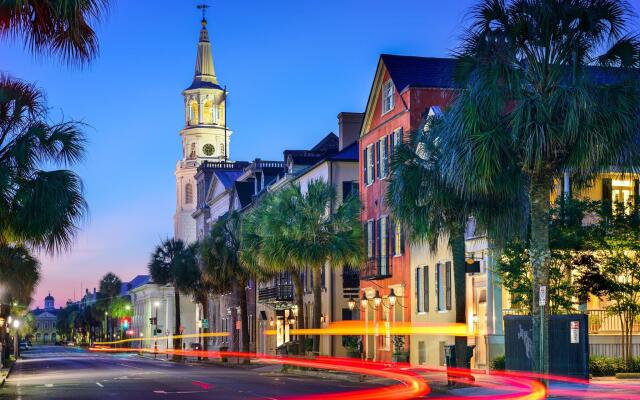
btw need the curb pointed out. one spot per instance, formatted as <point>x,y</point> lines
<point>628,375</point>
<point>5,377</point>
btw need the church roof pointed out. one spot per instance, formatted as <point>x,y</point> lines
<point>49,297</point>
<point>244,191</point>
<point>205,74</point>
<point>227,178</point>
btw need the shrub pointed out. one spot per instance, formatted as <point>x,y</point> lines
<point>498,363</point>
<point>609,366</point>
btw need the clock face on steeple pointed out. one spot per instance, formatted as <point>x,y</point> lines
<point>208,149</point>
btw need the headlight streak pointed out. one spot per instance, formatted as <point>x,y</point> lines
<point>164,337</point>
<point>501,384</point>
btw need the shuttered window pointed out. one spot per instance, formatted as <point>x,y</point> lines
<point>448,285</point>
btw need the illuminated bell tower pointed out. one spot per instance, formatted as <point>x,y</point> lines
<point>205,135</point>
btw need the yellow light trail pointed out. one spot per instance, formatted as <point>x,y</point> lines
<point>159,337</point>
<point>355,328</point>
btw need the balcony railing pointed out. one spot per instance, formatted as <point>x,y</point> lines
<point>377,268</point>
<point>277,293</point>
<point>600,321</point>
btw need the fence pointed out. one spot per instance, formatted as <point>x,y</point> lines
<point>600,321</point>
<point>610,349</point>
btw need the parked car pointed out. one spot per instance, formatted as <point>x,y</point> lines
<point>71,343</point>
<point>196,346</point>
<point>24,346</point>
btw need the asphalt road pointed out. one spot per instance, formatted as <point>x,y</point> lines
<point>55,372</point>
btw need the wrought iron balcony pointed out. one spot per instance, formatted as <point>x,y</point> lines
<point>377,268</point>
<point>276,293</point>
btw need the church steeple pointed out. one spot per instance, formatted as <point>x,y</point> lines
<point>205,73</point>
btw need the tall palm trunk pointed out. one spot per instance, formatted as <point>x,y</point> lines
<point>297,284</point>
<point>456,243</point>
<point>244,322</point>
<point>317,306</point>
<point>539,197</point>
<point>177,342</point>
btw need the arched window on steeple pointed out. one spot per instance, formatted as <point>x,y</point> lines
<point>208,117</point>
<point>188,193</point>
<point>193,113</point>
<point>192,152</point>
<point>221,150</point>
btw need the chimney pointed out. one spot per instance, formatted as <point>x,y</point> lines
<point>349,124</point>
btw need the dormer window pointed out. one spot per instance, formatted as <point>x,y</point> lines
<point>387,96</point>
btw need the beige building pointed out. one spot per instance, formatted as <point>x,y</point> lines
<point>334,160</point>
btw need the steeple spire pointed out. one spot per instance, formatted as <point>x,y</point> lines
<point>205,71</point>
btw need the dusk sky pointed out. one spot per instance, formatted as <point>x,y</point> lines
<point>290,68</point>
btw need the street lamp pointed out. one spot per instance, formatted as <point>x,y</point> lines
<point>351,303</point>
<point>364,301</point>
<point>156,304</point>
<point>16,339</point>
<point>392,298</point>
<point>271,322</point>
<point>377,300</point>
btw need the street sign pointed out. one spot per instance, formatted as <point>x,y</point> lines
<point>542,298</point>
<point>574,332</point>
<point>205,323</point>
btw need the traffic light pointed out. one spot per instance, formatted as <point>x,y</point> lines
<point>153,321</point>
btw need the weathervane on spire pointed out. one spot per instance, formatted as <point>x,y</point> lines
<point>203,7</point>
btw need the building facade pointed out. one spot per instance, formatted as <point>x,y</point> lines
<point>46,319</point>
<point>403,91</point>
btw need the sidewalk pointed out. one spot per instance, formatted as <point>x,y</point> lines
<point>5,371</point>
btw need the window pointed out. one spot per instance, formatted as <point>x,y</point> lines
<point>349,188</point>
<point>370,239</point>
<point>370,165</point>
<point>395,139</point>
<point>384,157</point>
<point>188,193</point>
<point>419,291</point>
<point>192,151</point>
<point>193,113</point>
<point>387,97</point>
<point>443,286</point>
<point>365,166</point>
<point>426,288</point>
<point>207,112</point>
<point>398,239</point>
<point>383,234</point>
<point>222,150</point>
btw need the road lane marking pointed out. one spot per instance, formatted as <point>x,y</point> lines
<point>48,385</point>
<point>130,366</point>
<point>99,384</point>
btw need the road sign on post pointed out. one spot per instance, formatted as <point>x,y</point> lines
<point>574,329</point>
<point>542,298</point>
<point>205,323</point>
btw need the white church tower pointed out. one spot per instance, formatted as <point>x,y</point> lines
<point>205,135</point>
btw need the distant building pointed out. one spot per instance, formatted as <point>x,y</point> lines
<point>46,320</point>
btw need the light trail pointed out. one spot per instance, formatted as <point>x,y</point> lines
<point>171,337</point>
<point>359,328</point>
<point>411,384</point>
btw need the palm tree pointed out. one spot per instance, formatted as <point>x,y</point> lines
<point>433,212</point>
<point>220,253</point>
<point>62,28</point>
<point>169,261</point>
<point>318,234</point>
<point>533,107</point>
<point>39,208</point>
<point>265,248</point>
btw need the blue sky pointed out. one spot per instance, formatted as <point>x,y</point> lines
<point>290,67</point>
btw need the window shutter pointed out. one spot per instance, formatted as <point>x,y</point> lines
<point>399,138</point>
<point>365,166</point>
<point>418,290</point>
<point>606,196</point>
<point>448,284</point>
<point>392,142</point>
<point>386,160</point>
<point>426,288</point>
<point>437,287</point>
<point>378,159</point>
<point>636,191</point>
<point>401,239</point>
<point>393,236</point>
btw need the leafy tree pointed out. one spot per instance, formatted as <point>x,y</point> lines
<point>110,286</point>
<point>220,253</point>
<point>167,266</point>
<point>61,28</point>
<point>533,107</point>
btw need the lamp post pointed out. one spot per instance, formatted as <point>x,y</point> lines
<point>364,302</point>
<point>105,334</point>
<point>156,304</point>
<point>167,349</point>
<point>16,338</point>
